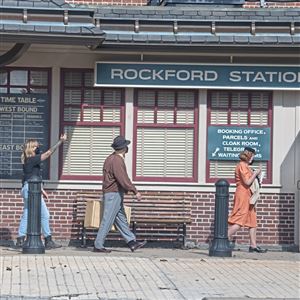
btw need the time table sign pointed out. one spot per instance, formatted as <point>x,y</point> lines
<point>22,117</point>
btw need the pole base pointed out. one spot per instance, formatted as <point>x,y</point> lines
<point>33,245</point>
<point>220,248</point>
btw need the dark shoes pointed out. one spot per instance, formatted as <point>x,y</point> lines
<point>257,250</point>
<point>134,245</point>
<point>50,244</point>
<point>102,250</point>
<point>20,241</point>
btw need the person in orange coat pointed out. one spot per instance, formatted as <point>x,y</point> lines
<point>243,213</point>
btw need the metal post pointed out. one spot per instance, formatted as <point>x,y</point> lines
<point>33,243</point>
<point>220,245</point>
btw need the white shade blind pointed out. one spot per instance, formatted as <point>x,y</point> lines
<point>165,152</point>
<point>86,149</point>
<point>72,96</point>
<point>225,169</point>
<point>38,77</point>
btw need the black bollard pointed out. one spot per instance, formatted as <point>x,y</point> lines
<point>33,243</point>
<point>220,245</point>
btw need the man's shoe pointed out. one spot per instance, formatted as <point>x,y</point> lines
<point>137,245</point>
<point>102,250</point>
<point>257,249</point>
<point>50,244</point>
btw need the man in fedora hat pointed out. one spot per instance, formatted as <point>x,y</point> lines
<point>115,183</point>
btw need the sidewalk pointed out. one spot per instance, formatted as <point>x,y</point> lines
<point>154,274</point>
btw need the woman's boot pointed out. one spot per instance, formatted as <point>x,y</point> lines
<point>49,244</point>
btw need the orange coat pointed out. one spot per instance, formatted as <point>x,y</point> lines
<point>242,213</point>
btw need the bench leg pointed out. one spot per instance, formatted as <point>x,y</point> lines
<point>83,237</point>
<point>134,227</point>
<point>184,236</point>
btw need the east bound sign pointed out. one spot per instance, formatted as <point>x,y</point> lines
<point>196,76</point>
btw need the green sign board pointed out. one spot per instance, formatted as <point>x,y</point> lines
<point>226,142</point>
<point>196,75</point>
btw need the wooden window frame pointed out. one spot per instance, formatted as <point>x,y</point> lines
<point>81,123</point>
<point>268,179</point>
<point>195,127</point>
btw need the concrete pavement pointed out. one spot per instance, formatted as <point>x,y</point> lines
<point>75,273</point>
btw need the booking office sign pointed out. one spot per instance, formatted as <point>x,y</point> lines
<point>226,142</point>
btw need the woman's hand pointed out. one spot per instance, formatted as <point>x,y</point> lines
<point>138,196</point>
<point>257,171</point>
<point>48,153</point>
<point>63,137</point>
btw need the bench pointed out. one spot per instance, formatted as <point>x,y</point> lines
<point>156,217</point>
<point>170,211</point>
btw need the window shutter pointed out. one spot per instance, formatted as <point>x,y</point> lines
<point>219,108</point>
<point>86,149</point>
<point>145,116</point>
<point>92,97</point>
<point>112,104</point>
<point>165,107</point>
<point>71,114</point>
<point>91,114</point>
<point>222,169</point>
<point>185,107</point>
<point>239,107</point>
<point>225,169</point>
<point>146,102</point>
<point>73,79</point>
<point>164,152</point>
<point>38,78</point>
<point>72,96</point>
<point>259,118</point>
<point>89,79</point>
<point>259,112</point>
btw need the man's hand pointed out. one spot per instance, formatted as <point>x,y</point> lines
<point>138,196</point>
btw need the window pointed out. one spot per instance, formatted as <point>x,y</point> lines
<point>91,117</point>
<point>238,108</point>
<point>24,114</point>
<point>24,81</point>
<point>166,135</point>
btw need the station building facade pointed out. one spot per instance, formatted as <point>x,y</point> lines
<point>189,86</point>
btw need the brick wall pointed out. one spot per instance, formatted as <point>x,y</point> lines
<point>109,2</point>
<point>248,4</point>
<point>271,4</point>
<point>275,216</point>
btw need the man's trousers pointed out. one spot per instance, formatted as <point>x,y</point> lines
<point>113,213</point>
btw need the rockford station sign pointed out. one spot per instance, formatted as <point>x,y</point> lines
<point>196,76</point>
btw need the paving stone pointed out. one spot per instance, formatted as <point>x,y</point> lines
<point>148,274</point>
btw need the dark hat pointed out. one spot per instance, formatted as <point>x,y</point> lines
<point>249,149</point>
<point>120,143</point>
